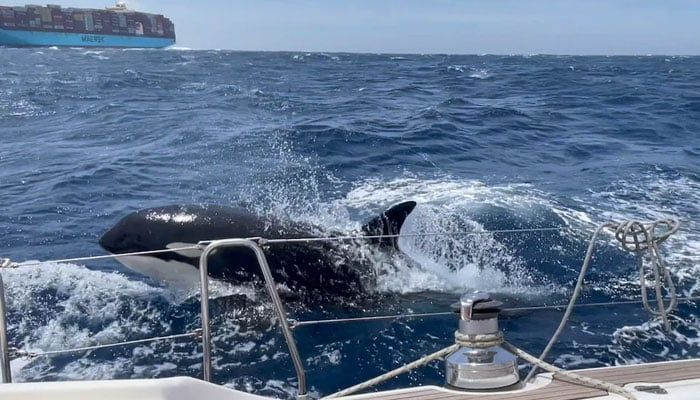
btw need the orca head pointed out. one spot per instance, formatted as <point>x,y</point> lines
<point>157,229</point>
<point>127,236</point>
<point>389,223</point>
<point>152,229</point>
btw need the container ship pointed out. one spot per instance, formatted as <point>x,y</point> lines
<point>51,25</point>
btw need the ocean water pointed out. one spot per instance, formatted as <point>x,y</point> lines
<point>481,142</point>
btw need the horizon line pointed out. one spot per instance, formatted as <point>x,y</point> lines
<point>391,53</point>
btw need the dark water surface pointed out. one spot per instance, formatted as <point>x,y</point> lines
<point>488,142</point>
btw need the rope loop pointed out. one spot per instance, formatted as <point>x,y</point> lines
<point>640,238</point>
<point>635,236</point>
<point>479,341</point>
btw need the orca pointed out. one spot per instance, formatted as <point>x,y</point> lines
<point>331,267</point>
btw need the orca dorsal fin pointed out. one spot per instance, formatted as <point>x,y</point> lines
<point>389,223</point>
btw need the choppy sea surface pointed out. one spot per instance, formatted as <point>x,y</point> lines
<point>481,142</point>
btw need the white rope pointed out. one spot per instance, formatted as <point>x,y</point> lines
<point>572,301</point>
<point>569,376</point>
<point>635,237</point>
<point>639,238</point>
<point>478,341</point>
<point>394,373</point>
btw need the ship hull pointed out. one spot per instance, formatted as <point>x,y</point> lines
<point>24,38</point>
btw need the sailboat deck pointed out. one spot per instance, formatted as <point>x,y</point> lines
<point>645,374</point>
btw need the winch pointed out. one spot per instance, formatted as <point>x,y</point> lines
<point>480,362</point>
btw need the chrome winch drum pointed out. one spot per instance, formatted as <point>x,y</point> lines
<point>480,368</point>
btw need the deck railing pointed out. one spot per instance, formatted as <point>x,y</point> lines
<point>272,291</point>
<point>5,371</point>
<point>208,248</point>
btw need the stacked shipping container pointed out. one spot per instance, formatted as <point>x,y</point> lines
<point>52,18</point>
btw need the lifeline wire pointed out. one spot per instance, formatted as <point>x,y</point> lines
<point>297,324</point>
<point>104,257</point>
<point>400,235</point>
<point>31,354</point>
<point>263,241</point>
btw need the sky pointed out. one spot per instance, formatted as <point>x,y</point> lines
<point>432,26</point>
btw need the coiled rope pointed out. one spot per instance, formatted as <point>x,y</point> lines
<point>638,238</point>
<point>479,341</point>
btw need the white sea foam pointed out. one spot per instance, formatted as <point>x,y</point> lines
<point>20,108</point>
<point>452,193</point>
<point>480,73</point>
<point>649,340</point>
<point>68,306</point>
<point>452,263</point>
<point>477,73</point>
<point>96,54</point>
<point>647,197</point>
<point>195,86</point>
<point>85,308</point>
<point>456,263</point>
<point>438,198</point>
<point>325,355</point>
